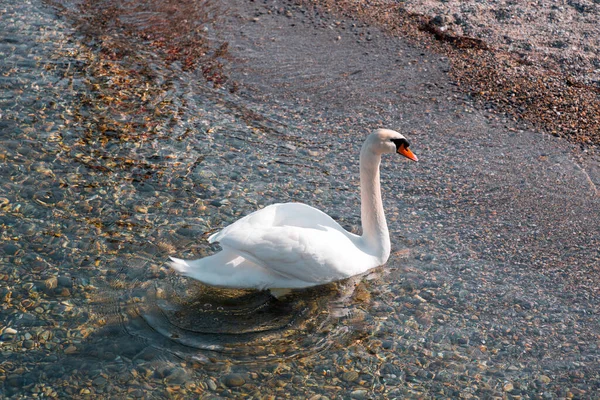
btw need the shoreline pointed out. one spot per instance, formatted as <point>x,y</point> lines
<point>524,86</point>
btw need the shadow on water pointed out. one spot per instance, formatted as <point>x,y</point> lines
<point>194,322</point>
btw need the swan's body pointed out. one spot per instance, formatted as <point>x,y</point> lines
<point>293,245</point>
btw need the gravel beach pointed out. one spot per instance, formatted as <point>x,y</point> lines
<point>124,141</point>
<point>535,61</point>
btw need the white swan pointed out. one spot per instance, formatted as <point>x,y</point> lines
<point>292,245</point>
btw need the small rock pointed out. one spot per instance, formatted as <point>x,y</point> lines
<point>387,344</point>
<point>359,394</point>
<point>350,376</point>
<point>45,336</point>
<point>137,393</point>
<point>211,384</point>
<point>64,282</point>
<point>545,379</point>
<point>219,203</point>
<point>176,375</point>
<point>361,294</point>
<point>234,380</point>
<point>15,380</point>
<point>10,249</point>
<point>508,387</point>
<point>71,349</point>
<point>51,283</point>
<point>28,344</point>
<point>99,381</point>
<point>10,331</point>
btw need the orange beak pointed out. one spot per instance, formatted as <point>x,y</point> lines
<point>407,153</point>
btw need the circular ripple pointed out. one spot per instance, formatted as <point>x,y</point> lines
<point>223,325</point>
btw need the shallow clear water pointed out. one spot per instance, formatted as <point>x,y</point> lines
<point>110,163</point>
<point>126,139</point>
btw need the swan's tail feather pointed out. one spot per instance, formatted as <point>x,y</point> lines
<point>224,269</point>
<point>228,269</point>
<point>179,265</point>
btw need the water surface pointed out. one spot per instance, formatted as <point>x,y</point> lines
<point>126,139</point>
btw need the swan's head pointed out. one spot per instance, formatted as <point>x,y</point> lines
<point>388,141</point>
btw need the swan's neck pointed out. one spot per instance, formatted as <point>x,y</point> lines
<point>375,231</point>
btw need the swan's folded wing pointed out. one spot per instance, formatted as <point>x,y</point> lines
<point>320,254</point>
<point>279,215</point>
<point>263,217</point>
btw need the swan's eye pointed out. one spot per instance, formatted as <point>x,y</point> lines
<point>400,143</point>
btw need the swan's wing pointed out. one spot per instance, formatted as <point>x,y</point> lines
<point>295,241</point>
<point>282,214</point>
<point>311,255</point>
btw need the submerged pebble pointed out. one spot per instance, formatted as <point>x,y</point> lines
<point>234,380</point>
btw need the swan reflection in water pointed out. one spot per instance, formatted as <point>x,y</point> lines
<point>207,323</point>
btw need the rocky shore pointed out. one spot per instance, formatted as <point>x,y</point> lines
<point>537,62</point>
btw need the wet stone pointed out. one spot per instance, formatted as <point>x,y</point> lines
<point>234,380</point>
<point>359,394</point>
<point>48,197</point>
<point>15,380</point>
<point>51,283</point>
<point>137,393</point>
<point>211,384</point>
<point>99,381</point>
<point>219,203</point>
<point>188,232</point>
<point>350,376</point>
<point>176,375</point>
<point>10,249</point>
<point>544,379</point>
<point>9,332</point>
<point>387,344</point>
<point>391,371</point>
<point>26,319</point>
<point>145,187</point>
<point>64,282</point>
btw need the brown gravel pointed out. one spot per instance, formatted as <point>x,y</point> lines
<point>550,90</point>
